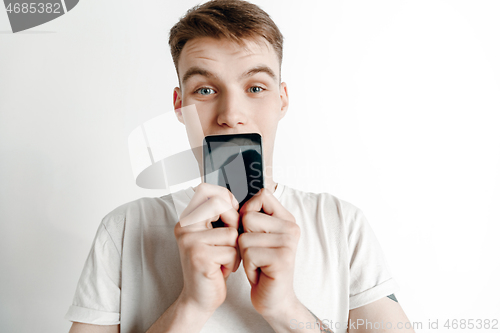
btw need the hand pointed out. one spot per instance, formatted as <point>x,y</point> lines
<point>267,247</point>
<point>207,255</point>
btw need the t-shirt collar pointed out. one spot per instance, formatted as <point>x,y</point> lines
<point>277,193</point>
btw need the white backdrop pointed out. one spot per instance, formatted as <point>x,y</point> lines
<point>395,107</point>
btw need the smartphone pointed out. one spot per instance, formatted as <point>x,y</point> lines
<point>234,161</point>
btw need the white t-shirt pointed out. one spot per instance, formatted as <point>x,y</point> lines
<point>133,272</point>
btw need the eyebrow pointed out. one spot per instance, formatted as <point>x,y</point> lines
<point>260,69</point>
<point>195,70</point>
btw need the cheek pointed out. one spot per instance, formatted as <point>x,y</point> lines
<point>269,106</point>
<point>203,114</point>
<point>205,122</point>
<point>268,115</point>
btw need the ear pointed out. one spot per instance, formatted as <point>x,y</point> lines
<point>178,104</point>
<point>284,99</point>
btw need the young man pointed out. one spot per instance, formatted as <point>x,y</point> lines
<point>302,256</point>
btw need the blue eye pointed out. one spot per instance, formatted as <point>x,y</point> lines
<point>204,91</point>
<point>253,90</point>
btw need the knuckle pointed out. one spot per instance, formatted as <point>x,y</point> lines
<point>232,233</point>
<point>202,188</point>
<point>242,240</point>
<point>246,216</point>
<point>295,230</point>
<point>217,200</point>
<point>234,252</point>
<point>265,191</point>
<point>245,253</point>
<point>229,193</point>
<point>244,221</point>
<point>183,240</point>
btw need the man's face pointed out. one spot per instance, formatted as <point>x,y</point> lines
<point>235,89</point>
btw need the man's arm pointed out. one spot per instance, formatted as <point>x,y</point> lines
<point>208,256</point>
<point>268,247</point>
<point>88,328</point>
<point>179,317</point>
<point>376,316</point>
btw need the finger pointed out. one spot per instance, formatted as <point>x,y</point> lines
<point>251,271</point>
<point>225,236</point>
<point>260,222</point>
<point>209,211</point>
<point>268,240</point>
<point>238,259</point>
<point>264,200</point>
<point>225,256</point>
<point>268,261</point>
<point>205,191</point>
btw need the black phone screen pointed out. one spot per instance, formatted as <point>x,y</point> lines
<point>235,162</point>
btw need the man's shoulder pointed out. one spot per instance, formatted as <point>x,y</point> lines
<point>133,207</point>
<point>320,197</point>
<point>324,200</point>
<point>144,209</point>
<point>149,203</point>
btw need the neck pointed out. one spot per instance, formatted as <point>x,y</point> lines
<point>271,185</point>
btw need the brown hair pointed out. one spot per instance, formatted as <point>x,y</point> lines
<point>235,20</point>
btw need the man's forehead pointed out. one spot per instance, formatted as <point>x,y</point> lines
<point>206,51</point>
<point>245,47</point>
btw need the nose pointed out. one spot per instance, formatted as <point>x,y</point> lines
<point>231,110</point>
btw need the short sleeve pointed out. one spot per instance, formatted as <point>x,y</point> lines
<point>370,278</point>
<point>97,296</point>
